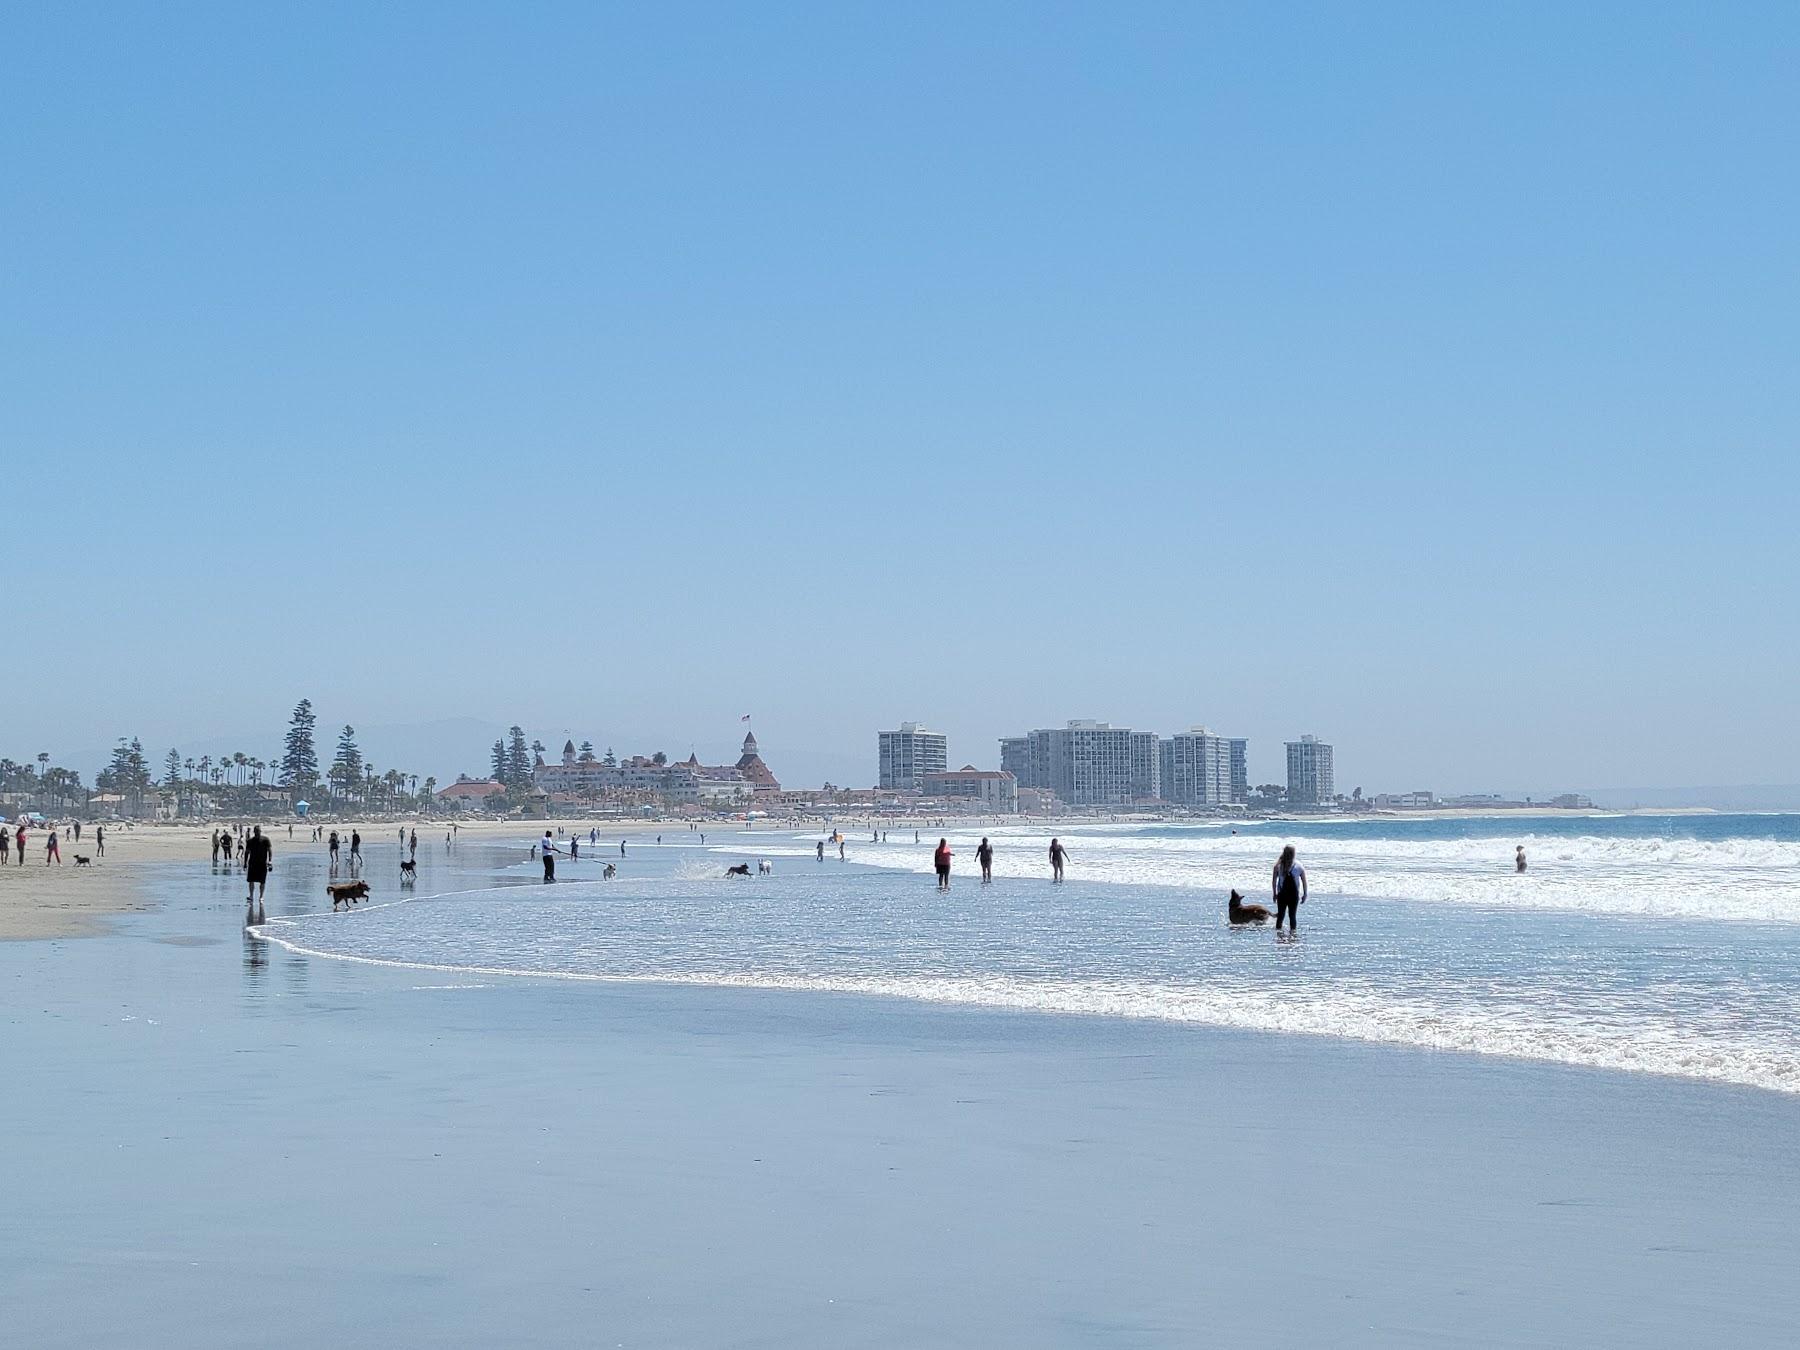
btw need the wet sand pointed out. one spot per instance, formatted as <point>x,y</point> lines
<point>214,1142</point>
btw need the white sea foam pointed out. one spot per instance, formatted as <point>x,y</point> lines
<point>1737,879</point>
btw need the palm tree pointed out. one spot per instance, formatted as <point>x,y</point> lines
<point>240,762</point>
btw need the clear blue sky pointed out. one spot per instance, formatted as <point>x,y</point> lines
<point>1422,376</point>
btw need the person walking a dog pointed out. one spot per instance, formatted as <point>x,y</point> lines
<point>1289,886</point>
<point>550,852</point>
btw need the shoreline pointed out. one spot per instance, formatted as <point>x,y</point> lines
<point>534,1163</point>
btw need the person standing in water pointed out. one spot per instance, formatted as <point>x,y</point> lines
<point>1057,854</point>
<point>821,850</point>
<point>1289,886</point>
<point>941,860</point>
<point>334,852</point>
<point>548,845</point>
<point>985,856</point>
<point>257,854</point>
<point>1519,859</point>
<point>355,852</point>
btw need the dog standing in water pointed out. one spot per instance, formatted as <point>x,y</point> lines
<point>1238,912</point>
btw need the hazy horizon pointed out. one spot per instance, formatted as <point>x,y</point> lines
<point>1416,378</point>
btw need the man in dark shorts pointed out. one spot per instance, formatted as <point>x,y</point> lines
<point>258,851</point>
<point>985,856</point>
<point>550,852</point>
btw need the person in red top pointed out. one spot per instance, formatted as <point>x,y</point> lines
<point>943,864</point>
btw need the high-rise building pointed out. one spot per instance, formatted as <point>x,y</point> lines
<point>1084,763</point>
<point>910,753</point>
<point>1197,768</point>
<point>1240,769</point>
<point>1146,766</point>
<point>1015,758</point>
<point>1309,774</point>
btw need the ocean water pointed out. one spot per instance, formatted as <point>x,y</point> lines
<point>1665,945</point>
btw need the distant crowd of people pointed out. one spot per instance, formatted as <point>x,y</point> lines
<point>15,841</point>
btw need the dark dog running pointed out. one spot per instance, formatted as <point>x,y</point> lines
<point>82,860</point>
<point>741,870</point>
<point>409,870</point>
<point>1238,912</point>
<point>346,893</point>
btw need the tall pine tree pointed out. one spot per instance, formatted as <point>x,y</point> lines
<point>299,757</point>
<point>347,764</point>
<point>499,762</point>
<point>518,760</point>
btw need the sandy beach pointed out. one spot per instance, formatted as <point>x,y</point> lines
<point>215,1142</point>
<point>40,901</point>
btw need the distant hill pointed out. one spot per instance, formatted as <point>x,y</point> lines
<point>1765,797</point>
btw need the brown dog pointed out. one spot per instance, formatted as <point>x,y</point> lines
<point>1238,912</point>
<point>346,893</point>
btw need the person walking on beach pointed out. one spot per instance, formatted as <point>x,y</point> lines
<point>412,848</point>
<point>19,843</point>
<point>621,848</point>
<point>355,851</point>
<point>550,850</point>
<point>1519,859</point>
<point>841,857</point>
<point>1057,854</point>
<point>941,860</point>
<point>5,845</point>
<point>574,846</point>
<point>257,853</point>
<point>50,849</point>
<point>99,841</point>
<point>215,861</point>
<point>985,856</point>
<point>333,846</point>
<point>821,850</point>
<point>1289,886</point>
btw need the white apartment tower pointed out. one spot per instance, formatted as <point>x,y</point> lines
<point>1197,768</point>
<point>1309,775</point>
<point>910,753</point>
